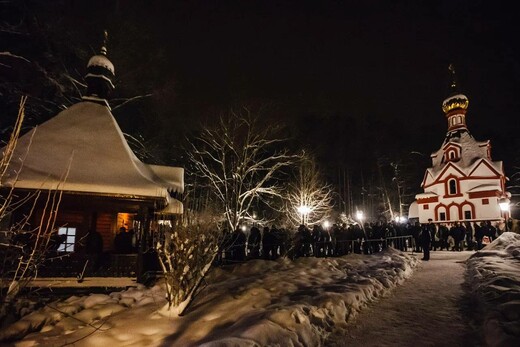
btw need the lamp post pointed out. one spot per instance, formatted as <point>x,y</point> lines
<point>360,216</point>
<point>304,211</point>
<point>504,207</point>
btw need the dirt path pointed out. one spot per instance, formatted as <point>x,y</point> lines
<point>429,309</point>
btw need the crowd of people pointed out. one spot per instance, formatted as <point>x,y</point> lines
<point>342,239</point>
<point>455,236</point>
<point>338,240</point>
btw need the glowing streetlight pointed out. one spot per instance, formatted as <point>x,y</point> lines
<point>400,219</point>
<point>504,207</point>
<point>326,224</point>
<point>244,228</point>
<point>360,216</point>
<point>304,211</point>
<point>504,204</point>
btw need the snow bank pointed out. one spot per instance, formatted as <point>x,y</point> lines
<point>258,303</point>
<point>494,278</point>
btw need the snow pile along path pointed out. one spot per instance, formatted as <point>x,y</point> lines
<point>430,309</point>
<point>494,276</point>
<point>258,303</point>
<point>292,303</point>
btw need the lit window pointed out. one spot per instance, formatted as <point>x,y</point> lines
<point>70,239</point>
<point>452,187</point>
<point>485,201</point>
<point>425,207</point>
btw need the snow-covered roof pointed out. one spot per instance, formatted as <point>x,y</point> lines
<point>102,61</point>
<point>485,188</point>
<point>472,150</point>
<point>426,195</point>
<point>472,153</point>
<point>82,149</point>
<point>486,168</point>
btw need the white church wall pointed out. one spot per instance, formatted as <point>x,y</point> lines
<point>489,211</point>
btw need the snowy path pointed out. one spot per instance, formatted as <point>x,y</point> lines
<point>429,309</point>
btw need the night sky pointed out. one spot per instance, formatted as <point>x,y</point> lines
<point>352,79</point>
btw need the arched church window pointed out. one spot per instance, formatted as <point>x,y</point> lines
<point>451,155</point>
<point>452,186</point>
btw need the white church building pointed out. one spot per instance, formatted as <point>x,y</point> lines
<point>463,183</point>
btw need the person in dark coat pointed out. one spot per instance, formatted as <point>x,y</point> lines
<point>317,236</point>
<point>55,241</point>
<point>443,235</point>
<point>253,242</point>
<point>416,232</point>
<point>425,239</point>
<point>458,233</point>
<point>123,242</point>
<point>94,248</point>
<point>267,243</point>
<point>306,240</point>
<point>469,235</point>
<point>94,244</point>
<point>490,231</point>
<point>479,235</point>
<point>238,246</point>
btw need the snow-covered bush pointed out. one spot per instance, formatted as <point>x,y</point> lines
<point>186,254</point>
<point>493,275</point>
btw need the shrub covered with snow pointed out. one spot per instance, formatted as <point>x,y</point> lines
<point>494,278</point>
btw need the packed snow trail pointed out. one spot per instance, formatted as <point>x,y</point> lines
<point>429,309</point>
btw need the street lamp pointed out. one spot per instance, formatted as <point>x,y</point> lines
<point>326,224</point>
<point>360,216</point>
<point>304,211</point>
<point>504,207</point>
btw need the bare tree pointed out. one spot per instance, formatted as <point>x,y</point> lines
<point>309,191</point>
<point>239,160</point>
<point>23,246</point>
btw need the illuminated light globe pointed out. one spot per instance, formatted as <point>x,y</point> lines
<point>359,215</point>
<point>303,209</point>
<point>326,224</point>
<point>504,204</point>
<point>402,219</point>
<point>244,228</point>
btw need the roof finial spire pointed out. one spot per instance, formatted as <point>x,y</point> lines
<point>105,41</point>
<point>453,78</point>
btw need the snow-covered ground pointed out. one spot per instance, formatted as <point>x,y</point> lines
<point>300,303</point>
<point>258,303</point>
<point>494,277</point>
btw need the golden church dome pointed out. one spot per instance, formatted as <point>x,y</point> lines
<point>458,101</point>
